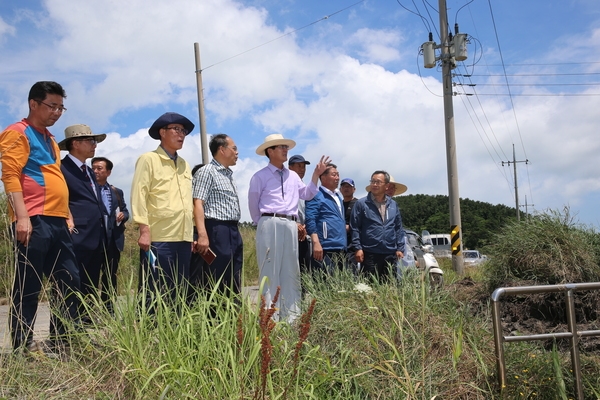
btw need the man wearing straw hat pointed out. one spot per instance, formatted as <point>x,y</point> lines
<point>376,224</point>
<point>86,206</point>
<point>273,202</point>
<point>161,204</point>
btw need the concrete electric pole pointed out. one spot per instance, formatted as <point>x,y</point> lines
<point>448,63</point>
<point>514,163</point>
<point>203,141</point>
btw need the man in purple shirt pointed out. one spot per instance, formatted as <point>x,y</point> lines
<point>273,201</point>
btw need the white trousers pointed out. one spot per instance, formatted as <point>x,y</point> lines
<point>277,254</point>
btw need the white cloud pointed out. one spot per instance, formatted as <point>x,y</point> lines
<point>118,59</point>
<point>377,46</point>
<point>5,30</point>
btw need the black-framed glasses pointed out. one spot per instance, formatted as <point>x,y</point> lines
<point>53,107</point>
<point>177,129</point>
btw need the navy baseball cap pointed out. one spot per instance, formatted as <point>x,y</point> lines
<point>297,159</point>
<point>348,181</point>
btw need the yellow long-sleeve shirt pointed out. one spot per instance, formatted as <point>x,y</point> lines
<point>161,197</point>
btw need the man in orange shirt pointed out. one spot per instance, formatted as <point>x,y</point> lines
<point>38,201</point>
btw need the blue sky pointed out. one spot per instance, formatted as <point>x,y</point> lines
<point>351,86</point>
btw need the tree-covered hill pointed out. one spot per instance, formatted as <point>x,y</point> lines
<point>480,220</point>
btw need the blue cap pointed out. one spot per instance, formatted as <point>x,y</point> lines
<point>297,159</point>
<point>348,181</point>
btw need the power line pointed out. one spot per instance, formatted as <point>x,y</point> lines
<point>538,94</point>
<point>284,35</point>
<point>543,74</point>
<point>539,84</point>
<point>506,79</point>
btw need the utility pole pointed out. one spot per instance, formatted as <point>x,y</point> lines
<point>514,163</point>
<point>448,63</point>
<point>203,141</point>
<point>526,208</point>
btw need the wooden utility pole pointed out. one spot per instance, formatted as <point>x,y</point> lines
<point>203,141</point>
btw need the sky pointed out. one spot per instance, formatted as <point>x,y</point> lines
<point>343,78</point>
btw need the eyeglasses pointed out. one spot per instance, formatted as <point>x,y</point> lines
<point>91,140</point>
<point>53,107</point>
<point>234,148</point>
<point>377,183</point>
<point>282,147</point>
<point>177,130</point>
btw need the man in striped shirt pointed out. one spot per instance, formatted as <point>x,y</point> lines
<point>216,215</point>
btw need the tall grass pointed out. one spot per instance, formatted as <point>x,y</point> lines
<point>551,248</point>
<point>397,341</point>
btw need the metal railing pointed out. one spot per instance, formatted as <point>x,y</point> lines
<point>573,334</point>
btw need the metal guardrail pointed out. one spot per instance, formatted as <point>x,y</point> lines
<point>572,334</point>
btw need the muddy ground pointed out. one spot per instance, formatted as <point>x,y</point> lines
<point>535,314</point>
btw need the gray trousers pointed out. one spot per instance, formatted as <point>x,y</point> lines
<point>277,254</point>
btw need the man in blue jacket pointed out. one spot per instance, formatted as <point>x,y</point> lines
<point>377,233</point>
<point>325,223</point>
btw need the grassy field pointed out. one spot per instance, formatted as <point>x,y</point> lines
<point>395,341</point>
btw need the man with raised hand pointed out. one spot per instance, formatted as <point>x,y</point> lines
<point>273,202</point>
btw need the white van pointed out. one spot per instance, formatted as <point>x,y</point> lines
<point>441,244</point>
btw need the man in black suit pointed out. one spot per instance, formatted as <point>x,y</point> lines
<point>85,205</point>
<point>114,202</point>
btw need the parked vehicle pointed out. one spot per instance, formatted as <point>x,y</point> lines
<point>472,258</point>
<point>440,243</point>
<point>419,255</point>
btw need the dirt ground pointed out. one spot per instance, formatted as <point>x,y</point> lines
<point>535,314</point>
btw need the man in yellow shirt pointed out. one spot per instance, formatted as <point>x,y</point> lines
<point>161,203</point>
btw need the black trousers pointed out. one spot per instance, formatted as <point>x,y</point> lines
<point>108,288</point>
<point>50,253</point>
<point>378,265</point>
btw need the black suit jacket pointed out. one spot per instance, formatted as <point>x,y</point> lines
<point>116,234</point>
<point>86,207</point>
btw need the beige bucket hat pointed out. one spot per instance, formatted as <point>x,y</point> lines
<point>79,131</point>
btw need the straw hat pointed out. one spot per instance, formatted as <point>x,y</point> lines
<point>79,131</point>
<point>400,188</point>
<point>274,140</point>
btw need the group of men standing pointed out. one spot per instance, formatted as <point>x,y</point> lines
<point>68,222</point>
<point>61,226</point>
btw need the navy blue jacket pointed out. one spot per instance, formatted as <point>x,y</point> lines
<point>324,218</point>
<point>373,235</point>
<point>116,234</point>
<point>86,206</point>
